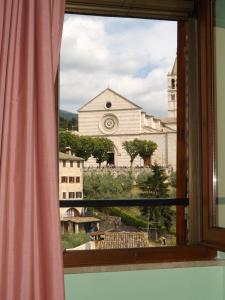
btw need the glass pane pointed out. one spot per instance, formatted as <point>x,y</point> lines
<point>117,129</point>
<point>117,227</point>
<point>219,87</point>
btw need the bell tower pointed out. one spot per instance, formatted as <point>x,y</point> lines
<point>172,91</point>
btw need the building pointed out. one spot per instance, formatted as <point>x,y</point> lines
<point>70,177</point>
<point>115,240</point>
<point>111,115</point>
<point>71,188</point>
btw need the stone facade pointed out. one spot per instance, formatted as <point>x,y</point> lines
<point>113,116</point>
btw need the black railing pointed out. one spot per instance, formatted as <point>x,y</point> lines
<point>125,202</point>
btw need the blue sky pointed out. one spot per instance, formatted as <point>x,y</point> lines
<point>131,56</point>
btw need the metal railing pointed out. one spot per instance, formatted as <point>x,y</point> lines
<point>125,202</point>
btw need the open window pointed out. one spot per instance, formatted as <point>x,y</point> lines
<point>212,34</point>
<point>199,138</point>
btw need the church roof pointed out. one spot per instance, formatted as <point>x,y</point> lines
<point>174,69</point>
<point>168,120</point>
<point>115,93</point>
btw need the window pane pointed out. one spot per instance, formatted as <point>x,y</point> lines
<point>219,63</point>
<point>118,117</point>
<point>114,227</point>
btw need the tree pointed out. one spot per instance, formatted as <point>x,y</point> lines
<point>68,124</point>
<point>146,150</point>
<point>71,240</point>
<point>101,147</point>
<point>155,185</point>
<point>83,146</point>
<point>132,148</point>
<point>107,185</point>
<point>66,139</point>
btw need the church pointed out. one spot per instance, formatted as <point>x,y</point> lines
<point>111,115</point>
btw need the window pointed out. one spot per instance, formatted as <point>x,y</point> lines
<point>71,195</point>
<point>78,164</point>
<point>64,195</point>
<point>173,84</point>
<point>64,163</point>
<point>78,195</point>
<point>172,97</point>
<point>209,232</point>
<point>71,179</point>
<point>108,104</point>
<point>77,179</point>
<point>64,179</point>
<point>71,164</point>
<point>212,91</point>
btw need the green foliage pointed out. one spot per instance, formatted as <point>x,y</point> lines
<point>143,148</point>
<point>146,150</point>
<point>126,218</point>
<point>107,186</point>
<point>83,146</point>
<point>101,148</point>
<point>66,139</point>
<point>132,148</point>
<point>155,185</point>
<point>71,240</point>
<point>173,179</point>
<point>143,176</point>
<point>65,124</point>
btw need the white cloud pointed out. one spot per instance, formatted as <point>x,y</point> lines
<point>109,52</point>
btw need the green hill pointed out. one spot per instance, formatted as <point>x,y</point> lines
<point>68,120</point>
<point>67,115</point>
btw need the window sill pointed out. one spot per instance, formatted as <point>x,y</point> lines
<point>145,257</point>
<point>150,266</point>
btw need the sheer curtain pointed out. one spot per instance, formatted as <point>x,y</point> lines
<point>30,253</point>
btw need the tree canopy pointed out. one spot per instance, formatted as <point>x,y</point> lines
<point>101,148</point>
<point>132,148</point>
<point>143,148</point>
<point>107,185</point>
<point>66,139</point>
<point>85,147</point>
<point>146,150</point>
<point>155,185</point>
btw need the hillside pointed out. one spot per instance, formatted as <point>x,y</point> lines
<point>67,115</point>
<point>68,120</point>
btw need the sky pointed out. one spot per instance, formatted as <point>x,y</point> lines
<point>130,56</point>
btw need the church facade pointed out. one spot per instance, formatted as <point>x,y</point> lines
<point>111,115</point>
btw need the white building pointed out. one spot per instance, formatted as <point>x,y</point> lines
<point>71,188</point>
<point>111,115</point>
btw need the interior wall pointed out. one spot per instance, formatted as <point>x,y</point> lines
<point>171,284</point>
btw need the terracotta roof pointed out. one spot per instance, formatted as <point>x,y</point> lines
<point>64,156</point>
<point>116,240</point>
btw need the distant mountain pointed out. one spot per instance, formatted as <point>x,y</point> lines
<point>67,115</point>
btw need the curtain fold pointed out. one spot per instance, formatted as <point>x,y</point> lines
<point>31,265</point>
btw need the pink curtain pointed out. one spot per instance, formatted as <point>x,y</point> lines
<point>30,253</point>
